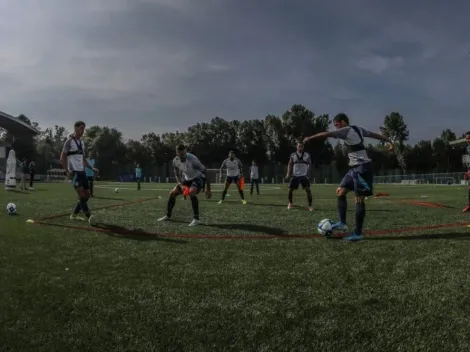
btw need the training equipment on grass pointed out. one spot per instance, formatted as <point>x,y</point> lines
<point>10,175</point>
<point>116,190</point>
<point>325,227</point>
<point>11,208</point>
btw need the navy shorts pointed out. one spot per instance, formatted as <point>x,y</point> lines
<point>359,179</point>
<point>197,183</point>
<point>80,179</point>
<point>296,181</point>
<point>232,179</point>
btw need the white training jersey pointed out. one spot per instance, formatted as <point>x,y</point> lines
<point>301,163</point>
<point>254,173</point>
<point>233,167</point>
<point>74,148</point>
<point>189,169</point>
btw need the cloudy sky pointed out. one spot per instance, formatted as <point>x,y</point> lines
<point>163,65</point>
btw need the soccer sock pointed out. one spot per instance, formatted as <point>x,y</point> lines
<point>77,209</point>
<point>195,205</point>
<point>91,187</point>
<point>309,197</point>
<point>138,185</point>
<point>31,180</point>
<point>257,188</point>
<point>170,206</point>
<point>224,193</point>
<point>360,215</point>
<point>252,186</point>
<point>469,196</point>
<point>242,195</point>
<point>84,206</point>
<point>291,195</point>
<point>342,208</point>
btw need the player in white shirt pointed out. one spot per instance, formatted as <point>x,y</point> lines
<point>234,175</point>
<point>254,177</point>
<point>74,162</point>
<point>297,171</point>
<point>190,174</point>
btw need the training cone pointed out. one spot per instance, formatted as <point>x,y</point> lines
<point>30,221</point>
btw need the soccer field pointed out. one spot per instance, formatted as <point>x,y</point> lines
<point>253,277</point>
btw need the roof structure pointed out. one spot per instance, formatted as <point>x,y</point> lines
<point>15,126</point>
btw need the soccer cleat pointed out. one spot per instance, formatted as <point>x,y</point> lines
<point>353,238</point>
<point>76,217</point>
<point>290,206</point>
<point>92,220</point>
<point>220,201</point>
<point>310,209</point>
<point>339,226</point>
<point>466,209</point>
<point>195,222</point>
<point>165,218</point>
<point>243,201</point>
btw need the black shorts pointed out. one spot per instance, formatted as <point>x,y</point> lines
<point>197,183</point>
<point>296,181</point>
<point>80,179</point>
<point>359,179</point>
<point>232,179</point>
<point>255,180</point>
<point>90,178</point>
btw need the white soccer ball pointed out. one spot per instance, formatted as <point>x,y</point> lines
<point>11,208</point>
<point>116,190</point>
<point>325,227</point>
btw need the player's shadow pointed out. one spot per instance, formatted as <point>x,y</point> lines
<point>267,230</point>
<point>134,234</point>
<point>108,198</point>
<point>458,236</point>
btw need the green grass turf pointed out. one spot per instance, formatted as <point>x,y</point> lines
<point>70,289</point>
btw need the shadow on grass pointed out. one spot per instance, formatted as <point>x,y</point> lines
<point>251,228</point>
<point>134,234</point>
<point>243,227</point>
<point>459,236</point>
<point>108,198</point>
<point>300,207</point>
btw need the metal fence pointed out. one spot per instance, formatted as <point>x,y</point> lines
<point>435,178</point>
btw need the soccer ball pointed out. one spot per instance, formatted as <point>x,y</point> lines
<point>325,227</point>
<point>11,208</point>
<point>116,190</point>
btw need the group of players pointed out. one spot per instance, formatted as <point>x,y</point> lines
<point>191,174</point>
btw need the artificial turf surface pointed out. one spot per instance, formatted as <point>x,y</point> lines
<point>251,278</point>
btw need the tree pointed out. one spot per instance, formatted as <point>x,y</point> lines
<point>395,128</point>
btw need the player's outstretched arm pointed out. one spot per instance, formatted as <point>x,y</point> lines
<point>321,135</point>
<point>378,136</point>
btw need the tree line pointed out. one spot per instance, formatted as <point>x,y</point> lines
<point>268,141</point>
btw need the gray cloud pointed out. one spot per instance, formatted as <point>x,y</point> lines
<point>161,65</point>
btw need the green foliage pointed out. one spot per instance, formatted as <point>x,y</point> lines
<point>268,141</point>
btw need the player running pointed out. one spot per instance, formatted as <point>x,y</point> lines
<point>190,173</point>
<point>467,174</point>
<point>234,175</point>
<point>254,177</point>
<point>299,165</point>
<point>74,162</point>
<point>360,176</point>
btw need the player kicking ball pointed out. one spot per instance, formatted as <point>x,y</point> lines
<point>73,160</point>
<point>234,175</point>
<point>299,165</point>
<point>360,176</point>
<point>190,174</point>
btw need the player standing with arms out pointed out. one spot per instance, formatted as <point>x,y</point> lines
<point>234,175</point>
<point>73,161</point>
<point>360,176</point>
<point>138,175</point>
<point>254,177</point>
<point>24,171</point>
<point>190,173</point>
<point>467,174</point>
<point>299,165</point>
<point>32,174</point>
<point>90,173</point>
